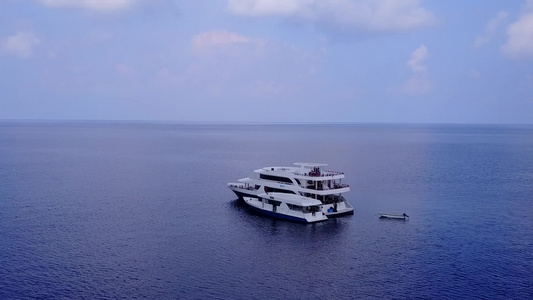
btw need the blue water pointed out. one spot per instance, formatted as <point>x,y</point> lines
<point>132,210</point>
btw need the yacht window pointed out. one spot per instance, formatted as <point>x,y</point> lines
<point>294,207</point>
<point>275,178</point>
<point>275,190</point>
<point>274,202</point>
<point>311,209</point>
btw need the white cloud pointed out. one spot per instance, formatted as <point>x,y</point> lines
<point>520,35</point>
<point>240,68</point>
<point>20,44</point>
<point>371,15</point>
<point>416,63</point>
<point>94,5</point>
<point>490,28</point>
<point>419,82</point>
<point>268,7</point>
<point>217,38</point>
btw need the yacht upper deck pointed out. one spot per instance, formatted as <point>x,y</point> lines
<point>308,171</point>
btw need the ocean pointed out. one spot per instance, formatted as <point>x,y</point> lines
<point>125,210</point>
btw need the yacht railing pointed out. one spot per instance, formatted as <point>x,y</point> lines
<point>336,186</point>
<point>242,186</point>
<point>334,173</point>
<point>341,185</point>
<point>320,174</point>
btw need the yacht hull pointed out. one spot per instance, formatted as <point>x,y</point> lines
<point>287,207</point>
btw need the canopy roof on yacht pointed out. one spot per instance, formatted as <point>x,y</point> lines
<point>309,165</point>
<point>246,180</point>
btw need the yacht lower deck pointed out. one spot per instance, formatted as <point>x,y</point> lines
<point>288,207</point>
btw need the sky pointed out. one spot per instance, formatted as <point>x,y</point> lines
<point>397,61</point>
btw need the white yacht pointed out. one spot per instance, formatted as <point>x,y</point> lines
<point>287,206</point>
<point>305,179</point>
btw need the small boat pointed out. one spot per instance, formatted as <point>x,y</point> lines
<point>385,215</point>
<point>288,206</point>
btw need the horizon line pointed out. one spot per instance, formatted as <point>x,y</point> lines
<point>220,122</point>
